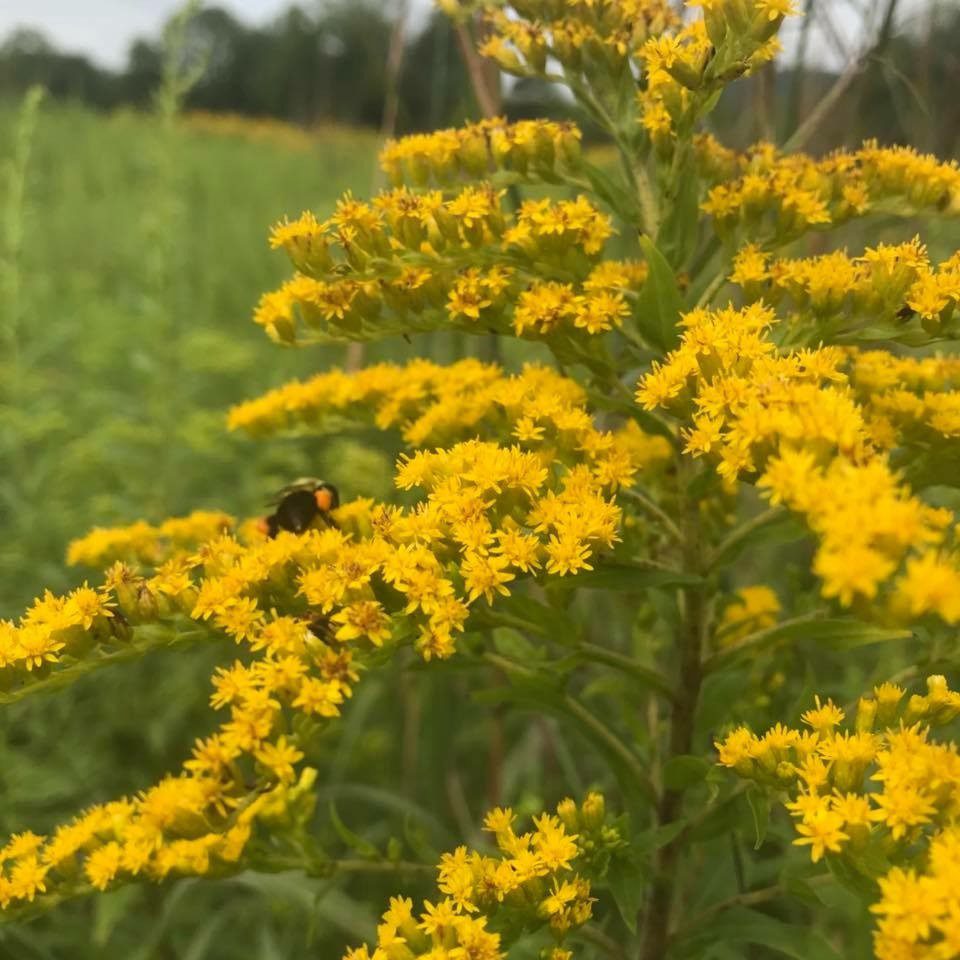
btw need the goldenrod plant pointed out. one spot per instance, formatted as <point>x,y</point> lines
<point>720,485</point>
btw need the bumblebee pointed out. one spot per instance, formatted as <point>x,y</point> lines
<point>298,506</point>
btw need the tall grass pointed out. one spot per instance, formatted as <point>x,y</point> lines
<point>128,293</point>
<point>133,250</point>
<point>12,412</point>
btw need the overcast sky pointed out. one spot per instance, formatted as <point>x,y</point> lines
<point>103,29</point>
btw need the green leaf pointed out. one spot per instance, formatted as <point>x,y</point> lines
<point>150,939</point>
<point>759,804</point>
<point>203,937</point>
<point>526,613</point>
<point>312,896</point>
<point>779,530</point>
<point>683,772</point>
<point>537,689</point>
<point>109,909</point>
<point>678,233</point>
<point>741,925</point>
<point>649,841</point>
<point>353,840</point>
<point>835,633</point>
<point>724,818</point>
<point>938,466</point>
<point>659,305</point>
<point>418,841</point>
<point>542,690</point>
<point>394,849</point>
<point>622,577</point>
<point>626,879</point>
<point>842,634</point>
<point>512,643</point>
<point>852,879</point>
<point>795,879</point>
<point>614,193</point>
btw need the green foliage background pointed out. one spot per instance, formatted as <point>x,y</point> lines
<point>144,250</point>
<point>143,253</point>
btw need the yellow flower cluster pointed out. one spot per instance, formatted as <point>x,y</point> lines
<point>792,421</point>
<point>531,880</point>
<point>416,261</point>
<point>582,36</point>
<point>872,531</point>
<point>751,609</point>
<point>599,45</point>
<point>716,163</point>
<point>683,69</point>
<point>537,149</point>
<point>144,543</point>
<point>911,400</point>
<point>908,818</point>
<point>305,607</point>
<point>180,827</point>
<point>920,908</point>
<point>889,284</point>
<point>51,624</point>
<point>263,129</point>
<point>780,196</point>
<point>200,820</point>
<point>433,405</point>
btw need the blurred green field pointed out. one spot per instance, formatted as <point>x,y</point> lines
<point>144,250</point>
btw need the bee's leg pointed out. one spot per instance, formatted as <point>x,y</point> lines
<point>328,520</point>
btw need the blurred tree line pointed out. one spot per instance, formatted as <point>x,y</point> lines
<point>328,63</point>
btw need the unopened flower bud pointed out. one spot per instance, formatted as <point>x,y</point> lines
<point>866,714</point>
<point>594,811</point>
<point>567,812</point>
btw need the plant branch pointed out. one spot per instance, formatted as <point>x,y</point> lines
<point>629,666</point>
<point>487,100</point>
<point>653,508</point>
<point>596,726</point>
<point>737,536</point>
<point>752,898</point>
<point>595,936</point>
<point>660,902</point>
<point>720,658</point>
<point>145,640</point>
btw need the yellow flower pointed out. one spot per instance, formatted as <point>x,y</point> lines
<point>365,618</point>
<point>485,575</point>
<point>821,829</point>
<point>103,864</point>
<point>320,697</point>
<point>280,758</point>
<point>824,718</point>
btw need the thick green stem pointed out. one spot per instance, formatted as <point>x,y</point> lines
<point>660,902</point>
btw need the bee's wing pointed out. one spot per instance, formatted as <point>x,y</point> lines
<point>303,483</point>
